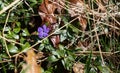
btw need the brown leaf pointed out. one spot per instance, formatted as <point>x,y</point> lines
<point>75,1</point>
<point>100,6</point>
<point>82,46</point>
<point>55,40</point>
<point>60,4</point>
<point>78,8</point>
<point>46,11</point>
<point>31,65</point>
<point>83,22</point>
<point>78,67</point>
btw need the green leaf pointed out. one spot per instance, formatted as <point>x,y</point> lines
<point>67,63</point>
<point>46,41</point>
<point>61,53</point>
<point>71,56</point>
<point>12,35</point>
<point>74,29</point>
<point>50,70</point>
<point>7,29</point>
<point>98,61</point>
<point>56,54</point>
<point>40,1</point>
<point>92,70</point>
<point>61,47</point>
<point>4,69</point>
<point>103,69</point>
<point>25,32</point>
<point>18,24</point>
<point>47,72</point>
<point>22,40</point>
<point>33,1</point>
<point>16,30</point>
<point>12,48</point>
<point>63,35</point>
<point>87,67</point>
<point>41,47</point>
<point>25,47</point>
<point>15,36</point>
<point>52,58</point>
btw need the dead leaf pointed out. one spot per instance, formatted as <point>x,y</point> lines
<point>78,8</point>
<point>82,46</point>
<point>46,11</point>
<point>100,6</point>
<point>78,67</point>
<point>31,65</point>
<point>83,22</point>
<point>75,1</point>
<point>55,40</point>
<point>60,4</point>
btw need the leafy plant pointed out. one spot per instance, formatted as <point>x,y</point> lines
<point>66,36</point>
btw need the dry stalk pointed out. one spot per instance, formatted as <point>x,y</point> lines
<point>94,53</point>
<point>9,6</point>
<point>5,61</point>
<point>16,4</point>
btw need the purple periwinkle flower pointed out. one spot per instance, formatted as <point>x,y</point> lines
<point>43,31</point>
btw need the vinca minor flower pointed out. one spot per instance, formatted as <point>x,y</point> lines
<point>43,31</point>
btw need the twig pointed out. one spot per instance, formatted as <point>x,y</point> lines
<point>93,52</point>
<point>5,61</point>
<point>104,23</point>
<point>9,40</point>
<point>29,6</point>
<point>114,19</point>
<point>99,45</point>
<point>39,61</point>
<point>15,70</point>
<point>97,37</point>
<point>4,35</point>
<point>5,27</point>
<point>9,6</point>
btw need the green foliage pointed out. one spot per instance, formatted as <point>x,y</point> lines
<point>12,48</point>
<point>88,63</point>
<point>20,34</point>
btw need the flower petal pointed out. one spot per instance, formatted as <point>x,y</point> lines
<point>43,31</point>
<point>40,29</point>
<point>44,27</point>
<point>40,34</point>
<point>45,34</point>
<point>47,30</point>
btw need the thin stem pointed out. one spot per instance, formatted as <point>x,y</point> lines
<point>9,6</point>
<point>6,24</point>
